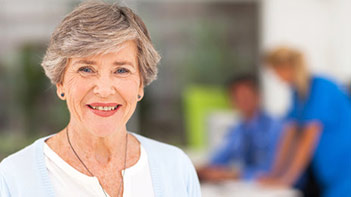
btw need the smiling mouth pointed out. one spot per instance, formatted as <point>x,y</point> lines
<point>104,108</point>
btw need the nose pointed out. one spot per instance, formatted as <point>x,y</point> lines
<point>104,87</point>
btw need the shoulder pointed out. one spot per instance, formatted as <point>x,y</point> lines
<point>171,168</point>
<point>165,156</point>
<point>322,79</point>
<point>325,84</point>
<point>235,129</point>
<point>22,157</point>
<point>15,170</point>
<point>22,168</point>
<point>18,159</point>
<point>163,150</point>
<point>328,91</point>
<point>273,120</point>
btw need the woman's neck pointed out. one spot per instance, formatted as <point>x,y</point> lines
<point>102,149</point>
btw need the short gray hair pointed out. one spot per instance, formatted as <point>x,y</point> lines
<point>96,27</point>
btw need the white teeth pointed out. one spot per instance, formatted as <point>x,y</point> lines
<point>104,108</point>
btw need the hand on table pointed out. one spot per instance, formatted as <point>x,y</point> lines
<point>217,173</point>
<point>273,182</point>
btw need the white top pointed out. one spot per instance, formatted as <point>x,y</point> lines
<point>68,181</point>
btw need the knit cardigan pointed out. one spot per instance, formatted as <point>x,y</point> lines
<point>25,174</point>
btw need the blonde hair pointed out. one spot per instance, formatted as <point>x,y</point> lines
<point>285,56</point>
<point>96,27</point>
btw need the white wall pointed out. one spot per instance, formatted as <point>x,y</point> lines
<point>23,21</point>
<point>320,28</point>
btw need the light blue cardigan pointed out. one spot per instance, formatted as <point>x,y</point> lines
<point>25,174</point>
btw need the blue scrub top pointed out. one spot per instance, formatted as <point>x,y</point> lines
<point>328,104</point>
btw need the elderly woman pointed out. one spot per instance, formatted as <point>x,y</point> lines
<point>100,58</point>
<point>319,132</point>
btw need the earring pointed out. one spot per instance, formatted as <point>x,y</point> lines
<point>139,97</point>
<point>62,94</point>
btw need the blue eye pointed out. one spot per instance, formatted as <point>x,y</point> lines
<point>122,71</point>
<point>86,69</point>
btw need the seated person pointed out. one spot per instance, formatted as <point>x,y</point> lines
<point>251,143</point>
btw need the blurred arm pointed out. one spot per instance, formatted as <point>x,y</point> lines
<point>218,169</point>
<point>229,149</point>
<point>301,155</point>
<point>305,148</point>
<point>284,149</point>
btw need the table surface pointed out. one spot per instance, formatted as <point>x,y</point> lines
<point>244,189</point>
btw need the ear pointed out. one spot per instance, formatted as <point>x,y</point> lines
<point>140,92</point>
<point>60,91</point>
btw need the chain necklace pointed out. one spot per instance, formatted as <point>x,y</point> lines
<point>91,174</point>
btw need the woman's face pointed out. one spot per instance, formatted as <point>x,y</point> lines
<point>102,90</point>
<point>285,72</point>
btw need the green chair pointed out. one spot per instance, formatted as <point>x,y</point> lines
<point>199,102</point>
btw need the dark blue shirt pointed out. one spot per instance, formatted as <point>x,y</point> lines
<point>251,144</point>
<point>328,104</point>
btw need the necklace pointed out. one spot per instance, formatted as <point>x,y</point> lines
<point>91,174</point>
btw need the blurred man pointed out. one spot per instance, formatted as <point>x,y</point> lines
<point>249,147</point>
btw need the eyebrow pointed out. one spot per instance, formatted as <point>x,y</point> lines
<point>123,63</point>
<point>85,62</point>
<point>89,62</point>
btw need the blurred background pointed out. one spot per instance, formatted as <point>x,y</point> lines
<point>202,44</point>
